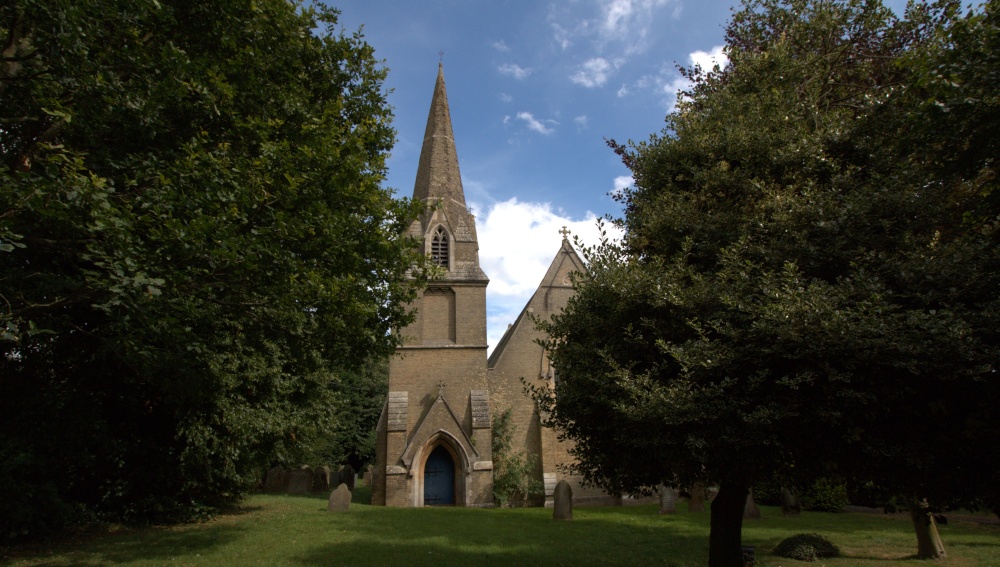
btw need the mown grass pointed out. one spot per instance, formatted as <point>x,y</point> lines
<point>289,530</point>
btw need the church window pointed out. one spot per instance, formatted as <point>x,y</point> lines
<point>439,247</point>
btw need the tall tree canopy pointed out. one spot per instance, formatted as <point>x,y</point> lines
<point>807,281</point>
<point>194,240</point>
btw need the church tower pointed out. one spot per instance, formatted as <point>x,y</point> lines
<point>433,439</point>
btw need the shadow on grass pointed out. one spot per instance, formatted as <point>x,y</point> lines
<point>157,543</point>
<point>893,535</point>
<point>454,536</point>
<point>239,510</point>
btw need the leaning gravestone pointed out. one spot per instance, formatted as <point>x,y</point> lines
<point>340,499</point>
<point>696,500</point>
<point>274,482</point>
<point>321,479</point>
<point>298,481</point>
<point>668,500</point>
<point>790,505</point>
<point>750,509</point>
<point>347,476</point>
<point>562,508</point>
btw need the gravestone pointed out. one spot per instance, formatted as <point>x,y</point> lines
<point>668,500</point>
<point>347,476</point>
<point>367,479</point>
<point>321,479</point>
<point>340,499</point>
<point>274,481</point>
<point>562,508</point>
<point>790,505</point>
<point>298,481</point>
<point>696,498</point>
<point>750,509</point>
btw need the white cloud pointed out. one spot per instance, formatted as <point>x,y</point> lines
<point>617,14</point>
<point>672,91</point>
<point>561,36</point>
<point>595,72</point>
<point>708,60</point>
<point>514,70</point>
<point>622,182</point>
<point>670,83</point>
<point>504,97</point>
<point>501,46</point>
<point>581,121</point>
<point>517,242</point>
<point>626,26</point>
<point>623,91</point>
<point>535,124</point>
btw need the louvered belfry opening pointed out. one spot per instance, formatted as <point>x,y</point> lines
<point>439,247</point>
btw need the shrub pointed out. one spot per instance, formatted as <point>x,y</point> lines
<point>825,495</point>
<point>512,482</point>
<point>806,547</point>
<point>767,492</point>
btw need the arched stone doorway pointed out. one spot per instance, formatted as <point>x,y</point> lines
<point>439,478</point>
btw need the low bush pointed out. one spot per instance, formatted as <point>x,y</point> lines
<point>806,547</point>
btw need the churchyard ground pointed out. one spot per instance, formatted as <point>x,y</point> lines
<point>290,530</point>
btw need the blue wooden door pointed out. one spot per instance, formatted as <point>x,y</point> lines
<point>439,478</point>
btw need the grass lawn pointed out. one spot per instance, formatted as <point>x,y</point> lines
<point>289,530</point>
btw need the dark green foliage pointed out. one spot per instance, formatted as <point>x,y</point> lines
<point>359,396</point>
<point>767,492</point>
<point>806,547</point>
<point>513,484</point>
<point>807,283</point>
<point>195,249</point>
<point>825,495</point>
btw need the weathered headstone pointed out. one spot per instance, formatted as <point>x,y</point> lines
<point>347,476</point>
<point>274,481</point>
<point>668,500</point>
<point>790,505</point>
<point>340,499</point>
<point>367,479</point>
<point>562,507</point>
<point>696,498</point>
<point>750,509</point>
<point>298,481</point>
<point>321,479</point>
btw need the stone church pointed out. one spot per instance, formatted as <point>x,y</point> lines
<point>434,436</point>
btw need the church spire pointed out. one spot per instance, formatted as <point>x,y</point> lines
<point>447,227</point>
<point>438,177</point>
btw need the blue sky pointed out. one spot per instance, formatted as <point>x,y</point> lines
<point>534,88</point>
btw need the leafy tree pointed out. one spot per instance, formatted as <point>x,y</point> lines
<point>359,396</point>
<point>194,245</point>
<point>802,291</point>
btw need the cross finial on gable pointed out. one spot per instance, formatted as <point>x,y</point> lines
<point>565,233</point>
<point>440,56</point>
<point>441,386</point>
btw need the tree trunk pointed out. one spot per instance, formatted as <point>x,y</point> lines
<point>929,544</point>
<point>727,525</point>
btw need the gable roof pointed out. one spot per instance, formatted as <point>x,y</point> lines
<point>566,262</point>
